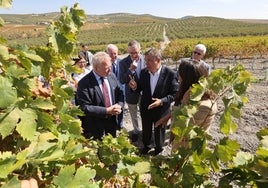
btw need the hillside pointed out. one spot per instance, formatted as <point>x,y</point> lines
<point>27,19</point>
<point>119,28</point>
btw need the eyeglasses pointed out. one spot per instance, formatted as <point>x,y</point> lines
<point>195,52</point>
<point>134,53</point>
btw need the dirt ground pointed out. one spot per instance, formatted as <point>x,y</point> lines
<point>254,113</point>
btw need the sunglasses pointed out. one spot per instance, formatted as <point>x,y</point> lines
<point>195,52</point>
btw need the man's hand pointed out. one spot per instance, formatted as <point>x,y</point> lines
<point>114,110</point>
<point>133,65</point>
<point>157,102</point>
<point>132,83</point>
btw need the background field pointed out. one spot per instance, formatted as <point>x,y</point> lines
<point>244,38</point>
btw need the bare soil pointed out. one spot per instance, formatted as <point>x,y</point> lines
<point>254,113</point>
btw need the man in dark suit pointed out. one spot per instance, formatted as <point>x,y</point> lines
<point>87,55</point>
<point>158,85</point>
<point>112,51</point>
<point>131,66</point>
<point>101,98</point>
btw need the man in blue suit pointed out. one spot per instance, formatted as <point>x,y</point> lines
<point>101,98</point>
<point>112,51</point>
<point>158,85</point>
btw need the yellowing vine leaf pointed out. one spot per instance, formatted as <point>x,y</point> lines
<point>142,167</point>
<point>4,52</point>
<point>41,103</point>
<point>33,57</point>
<point>264,142</point>
<point>243,158</point>
<point>5,3</point>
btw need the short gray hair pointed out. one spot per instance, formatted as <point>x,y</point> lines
<point>99,57</point>
<point>201,47</point>
<point>111,46</point>
<point>153,52</point>
<point>134,43</point>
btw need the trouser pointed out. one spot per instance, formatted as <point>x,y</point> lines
<point>133,111</point>
<point>147,129</point>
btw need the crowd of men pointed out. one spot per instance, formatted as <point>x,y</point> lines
<point>139,82</point>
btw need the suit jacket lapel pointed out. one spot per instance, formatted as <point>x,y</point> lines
<point>111,89</point>
<point>96,85</point>
<point>160,80</point>
<point>148,84</point>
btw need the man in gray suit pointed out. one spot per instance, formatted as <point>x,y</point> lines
<point>101,98</point>
<point>130,67</point>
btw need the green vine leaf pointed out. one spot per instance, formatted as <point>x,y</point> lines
<point>227,149</point>
<point>33,57</point>
<point>78,15</point>
<point>63,179</point>
<point>14,182</point>
<point>42,103</point>
<point>227,126</point>
<point>43,150</point>
<point>27,125</point>
<point>80,179</point>
<point>8,122</point>
<point>7,161</point>
<point>8,93</point>
<point>198,90</point>
<point>82,176</point>
<point>199,164</point>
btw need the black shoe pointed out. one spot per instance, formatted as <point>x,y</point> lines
<point>157,151</point>
<point>145,150</point>
<point>134,137</point>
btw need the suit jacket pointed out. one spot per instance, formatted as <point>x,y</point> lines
<point>131,97</point>
<point>91,101</point>
<point>87,56</point>
<point>117,71</point>
<point>166,88</point>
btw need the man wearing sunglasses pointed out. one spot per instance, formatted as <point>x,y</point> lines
<point>198,53</point>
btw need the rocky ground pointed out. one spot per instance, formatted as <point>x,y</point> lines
<point>254,113</point>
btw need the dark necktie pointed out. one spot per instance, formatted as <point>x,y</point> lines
<point>105,93</point>
<point>86,57</point>
<point>114,69</point>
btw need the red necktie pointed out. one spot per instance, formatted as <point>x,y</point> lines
<point>105,93</point>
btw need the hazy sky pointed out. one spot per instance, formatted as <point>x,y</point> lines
<point>255,9</point>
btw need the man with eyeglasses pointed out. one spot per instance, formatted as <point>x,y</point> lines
<point>197,55</point>
<point>130,68</point>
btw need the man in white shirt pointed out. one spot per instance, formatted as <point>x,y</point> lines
<point>158,85</point>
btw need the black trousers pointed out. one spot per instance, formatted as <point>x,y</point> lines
<point>148,121</point>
